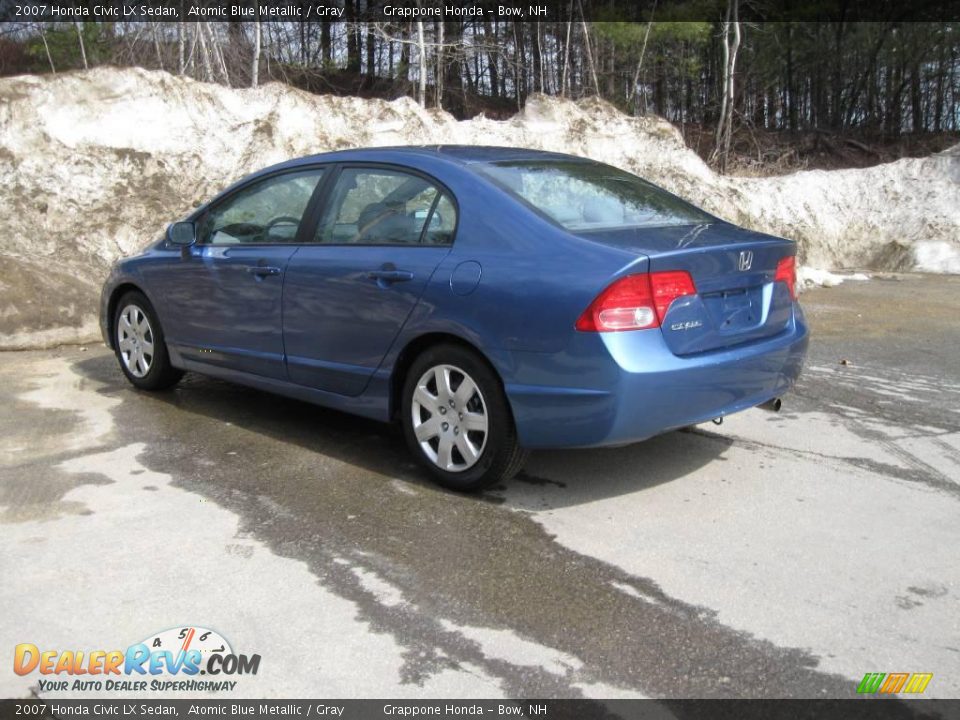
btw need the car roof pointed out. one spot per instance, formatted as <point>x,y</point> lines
<point>461,154</point>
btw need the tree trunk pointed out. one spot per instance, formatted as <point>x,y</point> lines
<point>791,100</point>
<point>204,52</point>
<point>438,72</point>
<point>492,62</point>
<point>586,44</point>
<point>371,54</point>
<point>181,46</point>
<point>916,99</point>
<point>255,64</point>
<point>422,70</point>
<point>46,47</point>
<point>632,95</point>
<point>326,43</point>
<point>537,57</point>
<point>156,44</point>
<point>731,26</point>
<point>403,67</point>
<point>837,95</point>
<point>83,50</point>
<point>353,37</point>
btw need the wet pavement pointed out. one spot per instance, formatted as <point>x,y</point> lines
<point>777,555</point>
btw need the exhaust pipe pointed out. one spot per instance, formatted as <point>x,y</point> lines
<point>771,405</point>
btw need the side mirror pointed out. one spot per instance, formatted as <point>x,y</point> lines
<point>183,234</point>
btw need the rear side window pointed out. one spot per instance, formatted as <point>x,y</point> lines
<point>373,206</point>
<point>592,196</point>
<point>266,212</point>
<point>443,221</point>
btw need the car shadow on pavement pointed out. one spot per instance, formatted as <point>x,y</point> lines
<point>582,475</point>
<point>572,476</point>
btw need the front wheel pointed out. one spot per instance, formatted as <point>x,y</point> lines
<point>457,421</point>
<point>140,346</point>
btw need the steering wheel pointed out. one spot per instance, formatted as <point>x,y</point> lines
<point>288,219</point>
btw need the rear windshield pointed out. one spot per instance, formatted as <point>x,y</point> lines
<point>592,196</point>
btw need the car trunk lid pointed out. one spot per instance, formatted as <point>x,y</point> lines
<point>737,300</point>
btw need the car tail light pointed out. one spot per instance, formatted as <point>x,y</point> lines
<point>635,302</point>
<point>787,272</point>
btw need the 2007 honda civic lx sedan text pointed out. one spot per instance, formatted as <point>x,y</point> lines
<point>493,300</point>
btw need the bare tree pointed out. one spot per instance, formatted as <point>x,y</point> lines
<point>586,42</point>
<point>204,52</point>
<point>255,67</point>
<point>156,43</point>
<point>181,59</point>
<point>438,73</point>
<point>632,93</point>
<point>422,47</point>
<point>46,47</point>
<point>731,45</point>
<point>83,50</point>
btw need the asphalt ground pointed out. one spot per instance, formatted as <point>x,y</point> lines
<point>776,555</point>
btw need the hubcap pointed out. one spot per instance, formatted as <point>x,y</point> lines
<point>135,340</point>
<point>450,418</point>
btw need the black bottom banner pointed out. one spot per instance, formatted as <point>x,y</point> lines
<point>853,709</point>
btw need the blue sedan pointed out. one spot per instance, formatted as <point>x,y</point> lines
<point>492,300</point>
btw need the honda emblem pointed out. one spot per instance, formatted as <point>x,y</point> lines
<point>746,260</point>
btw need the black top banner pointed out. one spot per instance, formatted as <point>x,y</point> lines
<point>479,10</point>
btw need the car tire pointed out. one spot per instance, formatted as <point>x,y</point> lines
<point>139,344</point>
<point>465,436</point>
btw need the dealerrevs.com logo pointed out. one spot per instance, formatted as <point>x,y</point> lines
<point>167,661</point>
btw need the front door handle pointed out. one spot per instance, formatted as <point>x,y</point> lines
<point>263,270</point>
<point>385,277</point>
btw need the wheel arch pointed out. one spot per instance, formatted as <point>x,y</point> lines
<point>420,344</point>
<point>118,292</point>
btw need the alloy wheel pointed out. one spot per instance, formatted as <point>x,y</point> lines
<point>135,340</point>
<point>450,419</point>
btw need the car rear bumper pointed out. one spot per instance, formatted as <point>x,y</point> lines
<point>619,388</point>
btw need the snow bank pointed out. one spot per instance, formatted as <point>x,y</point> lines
<point>94,164</point>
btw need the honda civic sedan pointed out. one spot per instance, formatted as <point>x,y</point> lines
<point>491,300</point>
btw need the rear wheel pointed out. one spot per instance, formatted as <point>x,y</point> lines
<point>457,421</point>
<point>139,344</point>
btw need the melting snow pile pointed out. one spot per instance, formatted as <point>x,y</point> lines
<point>93,165</point>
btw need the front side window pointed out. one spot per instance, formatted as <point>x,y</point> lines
<point>591,196</point>
<point>268,211</point>
<point>373,206</point>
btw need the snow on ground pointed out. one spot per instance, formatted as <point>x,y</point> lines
<point>808,277</point>
<point>94,164</point>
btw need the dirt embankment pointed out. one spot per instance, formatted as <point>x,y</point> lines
<point>94,164</point>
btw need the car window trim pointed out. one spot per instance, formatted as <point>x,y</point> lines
<point>405,169</point>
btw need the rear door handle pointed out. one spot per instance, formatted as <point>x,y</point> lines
<point>385,277</point>
<point>263,270</point>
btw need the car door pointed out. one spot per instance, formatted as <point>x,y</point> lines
<point>224,295</point>
<point>379,237</point>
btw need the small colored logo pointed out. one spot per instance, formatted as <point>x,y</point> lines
<point>893,683</point>
<point>154,663</point>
